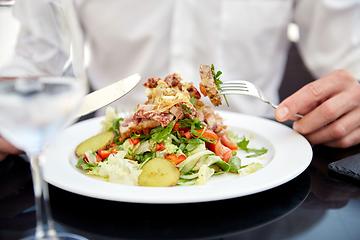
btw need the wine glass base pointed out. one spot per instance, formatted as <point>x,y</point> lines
<point>59,236</point>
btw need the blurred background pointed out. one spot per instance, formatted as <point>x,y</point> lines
<point>295,68</point>
<point>8,31</point>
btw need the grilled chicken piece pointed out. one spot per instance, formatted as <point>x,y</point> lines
<point>169,99</point>
<point>143,126</point>
<point>208,83</point>
<point>212,120</point>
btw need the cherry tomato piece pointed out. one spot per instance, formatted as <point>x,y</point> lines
<point>208,134</point>
<point>134,141</point>
<point>114,150</point>
<point>99,158</point>
<point>225,140</point>
<point>176,126</point>
<point>175,159</point>
<point>103,153</point>
<point>202,89</point>
<point>160,147</point>
<point>220,150</point>
<point>85,159</point>
<point>188,134</point>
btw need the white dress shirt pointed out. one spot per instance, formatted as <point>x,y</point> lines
<point>245,39</point>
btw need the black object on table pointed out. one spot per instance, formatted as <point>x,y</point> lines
<point>349,166</point>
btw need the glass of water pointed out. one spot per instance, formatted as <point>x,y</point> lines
<point>37,100</point>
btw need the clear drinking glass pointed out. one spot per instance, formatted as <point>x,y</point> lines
<point>34,108</point>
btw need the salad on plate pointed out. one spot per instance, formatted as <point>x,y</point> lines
<point>171,139</point>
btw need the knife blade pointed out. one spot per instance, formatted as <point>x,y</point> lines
<point>104,96</point>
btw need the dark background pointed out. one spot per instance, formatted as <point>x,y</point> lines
<point>296,75</point>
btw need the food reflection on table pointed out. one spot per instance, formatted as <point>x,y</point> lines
<point>297,205</point>
<point>16,195</point>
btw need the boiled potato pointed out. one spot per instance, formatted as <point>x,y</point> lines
<point>159,172</point>
<point>101,140</point>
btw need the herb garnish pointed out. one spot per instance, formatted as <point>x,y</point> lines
<point>218,81</point>
<point>186,108</point>
<point>160,133</point>
<point>193,100</point>
<point>115,128</point>
<point>192,124</point>
<point>84,165</point>
<point>256,152</point>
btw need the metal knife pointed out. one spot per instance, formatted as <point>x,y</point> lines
<point>107,95</point>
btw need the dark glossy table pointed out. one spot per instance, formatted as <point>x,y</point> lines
<point>318,204</point>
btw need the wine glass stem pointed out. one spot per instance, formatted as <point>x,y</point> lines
<point>44,222</point>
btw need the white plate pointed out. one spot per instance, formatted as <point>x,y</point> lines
<point>289,154</point>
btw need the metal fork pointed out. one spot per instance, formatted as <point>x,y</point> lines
<point>241,87</point>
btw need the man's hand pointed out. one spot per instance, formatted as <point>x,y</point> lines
<point>6,148</point>
<point>331,109</point>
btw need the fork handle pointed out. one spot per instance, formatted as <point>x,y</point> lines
<point>276,106</point>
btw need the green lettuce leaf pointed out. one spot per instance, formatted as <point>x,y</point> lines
<point>256,152</point>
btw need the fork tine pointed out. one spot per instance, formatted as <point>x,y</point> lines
<point>241,88</point>
<point>235,85</point>
<point>235,92</point>
<point>235,82</point>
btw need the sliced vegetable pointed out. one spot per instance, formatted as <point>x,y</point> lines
<point>176,126</point>
<point>208,134</point>
<point>220,150</point>
<point>204,174</point>
<point>159,172</point>
<point>114,150</point>
<point>99,141</point>
<point>99,158</point>
<point>188,134</point>
<point>104,153</point>
<point>214,162</point>
<point>175,159</point>
<point>134,141</point>
<point>189,163</point>
<point>160,147</point>
<point>226,141</point>
<point>251,168</point>
<point>202,89</point>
